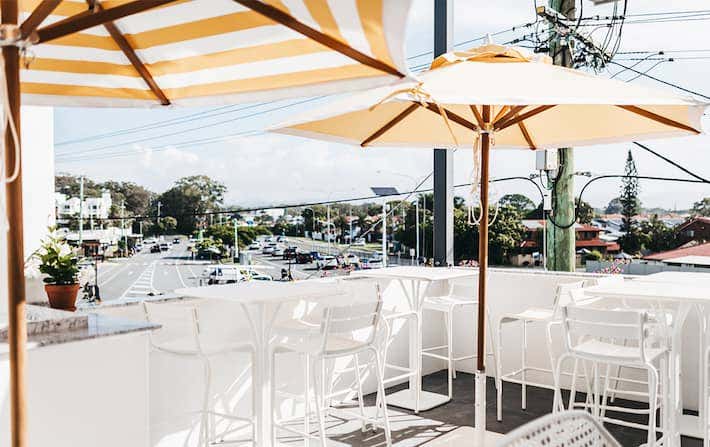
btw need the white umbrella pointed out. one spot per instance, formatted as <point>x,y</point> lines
<point>499,97</point>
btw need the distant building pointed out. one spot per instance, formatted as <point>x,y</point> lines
<point>94,207</point>
<point>695,230</point>
<point>692,256</point>
<point>588,238</point>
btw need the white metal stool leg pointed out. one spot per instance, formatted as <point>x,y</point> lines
<point>319,399</point>
<point>523,375</point>
<point>499,380</point>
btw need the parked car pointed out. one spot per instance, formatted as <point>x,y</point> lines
<point>328,263</point>
<point>138,247</point>
<point>176,240</point>
<point>155,248</point>
<point>303,258</point>
<point>351,260</point>
<point>281,239</point>
<point>316,255</point>
<point>375,263</point>
<point>289,253</point>
<point>359,242</point>
<point>230,274</point>
<point>268,249</point>
<point>278,251</point>
<point>164,246</point>
<point>254,246</point>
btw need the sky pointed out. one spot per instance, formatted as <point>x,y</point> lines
<point>265,169</point>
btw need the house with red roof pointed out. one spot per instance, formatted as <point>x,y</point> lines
<point>697,255</point>
<point>587,238</point>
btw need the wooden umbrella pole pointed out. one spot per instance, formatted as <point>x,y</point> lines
<point>17,332</point>
<point>483,244</point>
<point>480,415</point>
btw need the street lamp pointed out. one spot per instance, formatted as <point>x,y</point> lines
<point>384,192</point>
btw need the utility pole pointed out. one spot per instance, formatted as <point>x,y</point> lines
<point>123,228</point>
<point>561,241</point>
<point>236,241</point>
<point>384,233</point>
<point>416,225</point>
<point>328,229</point>
<point>157,220</point>
<point>443,158</point>
<point>81,212</point>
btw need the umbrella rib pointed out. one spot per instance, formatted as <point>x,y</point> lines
<point>513,112</point>
<point>88,19</point>
<point>35,19</point>
<point>288,21</point>
<point>524,130</point>
<point>477,115</point>
<point>390,124</point>
<point>523,117</point>
<point>130,53</point>
<point>658,118</point>
<point>455,117</point>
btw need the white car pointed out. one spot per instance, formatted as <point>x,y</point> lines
<point>281,239</point>
<point>374,263</point>
<point>254,246</point>
<point>327,263</point>
<point>268,249</point>
<point>359,242</point>
<point>278,251</point>
<point>351,259</point>
<point>230,274</point>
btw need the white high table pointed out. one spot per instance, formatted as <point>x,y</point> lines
<point>261,301</point>
<point>686,292</point>
<point>419,280</point>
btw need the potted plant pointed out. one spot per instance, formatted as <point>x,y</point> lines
<point>60,266</point>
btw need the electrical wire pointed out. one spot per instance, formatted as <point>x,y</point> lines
<point>670,84</point>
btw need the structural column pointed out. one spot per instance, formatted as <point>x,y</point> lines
<point>443,158</point>
<point>561,241</point>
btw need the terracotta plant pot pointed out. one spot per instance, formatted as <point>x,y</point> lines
<point>62,296</point>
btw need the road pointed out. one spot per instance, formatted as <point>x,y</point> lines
<point>147,273</point>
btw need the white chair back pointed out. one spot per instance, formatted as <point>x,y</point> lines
<point>178,323</point>
<point>625,328</point>
<point>350,327</point>
<point>563,294</point>
<point>463,292</point>
<point>563,429</point>
<point>607,280</point>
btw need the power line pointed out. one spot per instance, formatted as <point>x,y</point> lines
<point>670,84</point>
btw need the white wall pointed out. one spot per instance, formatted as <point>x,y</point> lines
<point>84,394</point>
<point>38,186</point>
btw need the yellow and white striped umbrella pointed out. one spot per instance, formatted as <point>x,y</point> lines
<point>198,52</point>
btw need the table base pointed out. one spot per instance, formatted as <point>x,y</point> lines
<point>427,400</point>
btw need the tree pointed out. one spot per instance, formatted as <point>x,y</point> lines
<point>629,207</point>
<point>504,236</point>
<point>614,206</point>
<point>136,198</point>
<point>585,212</point>
<point>518,201</point>
<point>655,236</point>
<point>701,207</point>
<point>191,197</point>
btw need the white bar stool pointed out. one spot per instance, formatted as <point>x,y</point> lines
<point>344,331</point>
<point>460,298</point>
<point>181,336</point>
<point>615,337</point>
<point>546,317</point>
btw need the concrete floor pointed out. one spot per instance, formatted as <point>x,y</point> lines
<point>409,430</point>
